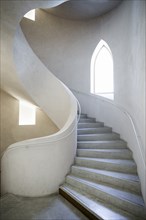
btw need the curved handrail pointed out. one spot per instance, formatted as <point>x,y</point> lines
<point>25,143</point>
<point>119,107</point>
<point>61,145</point>
<point>79,110</point>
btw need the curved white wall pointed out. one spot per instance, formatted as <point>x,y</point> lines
<point>44,88</point>
<point>69,47</point>
<point>70,56</point>
<point>11,14</point>
<point>37,167</point>
<point>12,132</point>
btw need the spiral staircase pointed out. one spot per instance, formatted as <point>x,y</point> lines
<point>103,181</point>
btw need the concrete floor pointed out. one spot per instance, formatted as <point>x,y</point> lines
<point>53,207</point>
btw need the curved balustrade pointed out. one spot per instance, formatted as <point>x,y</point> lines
<point>38,166</point>
<point>121,121</point>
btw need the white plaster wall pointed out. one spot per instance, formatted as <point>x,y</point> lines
<point>11,14</point>
<point>36,167</point>
<point>68,46</point>
<point>12,132</point>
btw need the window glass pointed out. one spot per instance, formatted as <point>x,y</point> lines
<point>30,15</point>
<point>102,78</point>
<point>27,114</point>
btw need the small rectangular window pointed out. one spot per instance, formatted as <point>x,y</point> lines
<point>27,114</point>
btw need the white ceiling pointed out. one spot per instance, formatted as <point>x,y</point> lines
<point>83,9</point>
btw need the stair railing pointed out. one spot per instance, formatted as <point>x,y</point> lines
<point>79,111</point>
<point>120,108</point>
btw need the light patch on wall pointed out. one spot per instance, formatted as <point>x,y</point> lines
<point>30,15</point>
<point>27,114</point>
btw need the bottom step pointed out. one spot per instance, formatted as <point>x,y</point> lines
<point>94,209</point>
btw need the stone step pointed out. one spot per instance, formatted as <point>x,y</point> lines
<point>98,137</point>
<point>102,144</point>
<point>126,166</point>
<point>126,201</point>
<point>99,130</point>
<point>83,115</point>
<point>105,153</point>
<point>122,180</point>
<point>94,208</point>
<point>86,120</point>
<point>90,125</point>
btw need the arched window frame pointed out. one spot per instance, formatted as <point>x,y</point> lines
<point>96,52</point>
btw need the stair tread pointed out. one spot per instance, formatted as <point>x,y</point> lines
<point>104,127</point>
<point>109,153</point>
<point>99,208</point>
<point>121,194</point>
<point>111,133</point>
<point>106,150</point>
<point>102,142</point>
<point>87,120</point>
<point>126,176</point>
<point>115,161</point>
<point>99,130</point>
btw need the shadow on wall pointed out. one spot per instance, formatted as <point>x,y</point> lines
<point>12,132</point>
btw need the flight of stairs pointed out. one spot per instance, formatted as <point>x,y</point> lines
<point>103,182</point>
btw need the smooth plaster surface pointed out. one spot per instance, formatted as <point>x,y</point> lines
<point>12,132</point>
<point>88,9</point>
<point>11,14</point>
<point>68,46</point>
<point>57,150</point>
<point>50,156</point>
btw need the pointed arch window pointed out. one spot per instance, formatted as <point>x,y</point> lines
<point>102,76</point>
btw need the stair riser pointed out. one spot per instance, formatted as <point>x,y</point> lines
<point>87,120</point>
<point>98,137</point>
<point>100,212</point>
<point>101,146</point>
<point>108,155</point>
<point>105,166</point>
<point>97,177</point>
<point>83,116</point>
<point>77,203</point>
<point>90,125</point>
<point>94,130</point>
<point>119,203</point>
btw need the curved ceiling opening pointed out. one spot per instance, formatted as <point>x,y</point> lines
<point>83,9</point>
